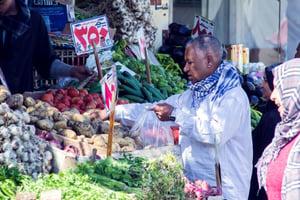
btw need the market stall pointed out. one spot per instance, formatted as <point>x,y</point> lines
<point>50,142</point>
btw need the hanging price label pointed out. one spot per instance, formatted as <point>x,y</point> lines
<point>142,42</point>
<point>202,26</point>
<point>93,29</point>
<point>109,88</point>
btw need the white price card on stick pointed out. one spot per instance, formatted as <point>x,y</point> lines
<point>109,88</point>
<point>142,42</point>
<point>91,30</point>
<point>202,25</point>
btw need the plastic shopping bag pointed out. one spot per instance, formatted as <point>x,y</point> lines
<point>151,131</point>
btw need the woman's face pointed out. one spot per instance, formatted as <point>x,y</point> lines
<point>275,96</point>
<point>266,89</point>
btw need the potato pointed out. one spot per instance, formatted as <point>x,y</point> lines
<point>115,147</point>
<point>29,101</point>
<point>128,148</point>
<point>51,110</point>
<point>77,117</point>
<point>58,116</point>
<point>45,124</point>
<point>60,125</point>
<point>4,93</point>
<point>121,141</point>
<point>69,133</point>
<point>15,101</point>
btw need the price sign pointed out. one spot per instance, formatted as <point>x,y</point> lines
<point>91,30</point>
<point>109,88</point>
<point>202,26</point>
<point>142,42</point>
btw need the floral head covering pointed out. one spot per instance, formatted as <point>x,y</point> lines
<point>287,80</point>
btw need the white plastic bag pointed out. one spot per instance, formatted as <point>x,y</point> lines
<point>151,131</point>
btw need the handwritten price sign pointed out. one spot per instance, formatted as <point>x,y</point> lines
<point>142,42</point>
<point>109,88</point>
<point>91,30</point>
<point>202,26</point>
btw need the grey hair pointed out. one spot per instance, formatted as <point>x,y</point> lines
<point>208,43</point>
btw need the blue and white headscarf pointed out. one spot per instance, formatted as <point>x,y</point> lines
<point>225,78</point>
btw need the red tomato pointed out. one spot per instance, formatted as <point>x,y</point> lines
<point>75,106</point>
<point>88,98</point>
<point>73,92</point>
<point>47,97</point>
<point>51,91</point>
<point>91,105</point>
<point>61,107</point>
<point>61,92</point>
<point>122,101</point>
<point>83,91</point>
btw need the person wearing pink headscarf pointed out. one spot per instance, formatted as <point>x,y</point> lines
<point>278,169</point>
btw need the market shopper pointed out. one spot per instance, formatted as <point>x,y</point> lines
<point>25,44</point>
<point>278,168</point>
<point>214,104</point>
<point>264,132</point>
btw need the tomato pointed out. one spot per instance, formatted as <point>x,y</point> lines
<point>66,101</point>
<point>51,91</point>
<point>72,92</point>
<point>61,92</point>
<point>47,97</point>
<point>83,92</point>
<point>96,96</point>
<point>100,106</point>
<point>122,101</point>
<point>61,107</point>
<point>91,105</point>
<point>88,98</point>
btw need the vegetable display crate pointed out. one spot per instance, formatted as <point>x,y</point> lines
<point>62,160</point>
<point>67,56</point>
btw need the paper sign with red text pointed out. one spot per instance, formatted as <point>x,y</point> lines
<point>202,26</point>
<point>93,29</point>
<point>109,88</point>
<point>142,42</point>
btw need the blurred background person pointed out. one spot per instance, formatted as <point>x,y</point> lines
<point>264,132</point>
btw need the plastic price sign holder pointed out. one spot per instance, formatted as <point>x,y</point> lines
<point>109,88</point>
<point>91,35</point>
<point>143,50</point>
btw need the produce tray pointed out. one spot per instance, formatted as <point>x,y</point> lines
<point>63,160</point>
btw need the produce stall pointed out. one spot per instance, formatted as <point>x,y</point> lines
<point>49,142</point>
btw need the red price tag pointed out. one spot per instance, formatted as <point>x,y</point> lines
<point>93,29</point>
<point>109,88</point>
<point>202,26</point>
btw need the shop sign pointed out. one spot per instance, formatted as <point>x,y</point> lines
<point>91,30</point>
<point>202,25</point>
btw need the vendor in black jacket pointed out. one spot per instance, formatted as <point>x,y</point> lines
<point>264,132</point>
<point>24,44</point>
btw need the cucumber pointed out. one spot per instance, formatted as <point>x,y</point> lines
<point>155,92</point>
<point>133,98</point>
<point>129,90</point>
<point>147,94</point>
<point>133,84</point>
<point>127,75</point>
